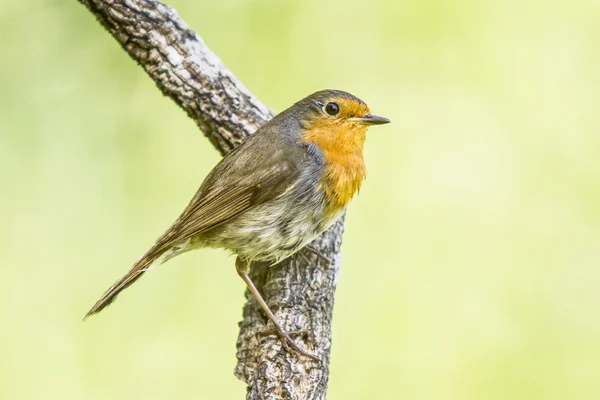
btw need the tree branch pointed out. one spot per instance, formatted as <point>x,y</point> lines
<point>299,290</point>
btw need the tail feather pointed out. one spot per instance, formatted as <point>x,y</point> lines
<point>127,280</point>
<point>157,255</point>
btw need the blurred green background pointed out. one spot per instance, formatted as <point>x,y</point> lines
<point>470,259</point>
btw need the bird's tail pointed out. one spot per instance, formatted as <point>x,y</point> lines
<point>152,258</point>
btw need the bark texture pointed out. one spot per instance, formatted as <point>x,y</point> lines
<point>300,291</point>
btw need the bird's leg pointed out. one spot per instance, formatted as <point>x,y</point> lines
<point>316,252</point>
<point>243,269</point>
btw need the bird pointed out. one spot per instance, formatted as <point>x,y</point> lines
<point>272,195</point>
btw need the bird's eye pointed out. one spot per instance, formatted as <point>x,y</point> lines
<point>332,108</point>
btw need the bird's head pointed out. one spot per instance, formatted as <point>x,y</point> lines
<point>335,121</point>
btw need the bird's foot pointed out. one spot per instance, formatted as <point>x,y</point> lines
<point>288,343</point>
<point>316,252</point>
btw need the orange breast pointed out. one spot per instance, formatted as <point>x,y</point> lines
<point>345,169</point>
<point>341,184</point>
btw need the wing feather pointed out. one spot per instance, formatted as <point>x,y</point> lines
<point>215,205</point>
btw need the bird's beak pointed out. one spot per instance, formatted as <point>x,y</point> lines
<point>371,119</point>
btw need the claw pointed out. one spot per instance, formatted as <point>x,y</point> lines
<point>316,252</point>
<point>268,332</point>
<point>287,342</point>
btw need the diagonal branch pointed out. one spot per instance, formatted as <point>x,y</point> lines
<point>300,290</point>
<point>183,68</point>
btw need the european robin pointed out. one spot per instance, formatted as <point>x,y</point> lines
<point>273,194</point>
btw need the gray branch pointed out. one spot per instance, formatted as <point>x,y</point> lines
<point>300,290</point>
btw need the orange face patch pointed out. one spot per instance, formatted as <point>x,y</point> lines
<point>342,141</point>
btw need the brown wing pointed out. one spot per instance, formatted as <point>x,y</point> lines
<point>217,206</point>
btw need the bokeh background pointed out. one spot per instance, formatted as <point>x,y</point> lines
<point>470,259</point>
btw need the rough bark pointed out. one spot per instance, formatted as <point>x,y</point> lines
<point>300,290</point>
